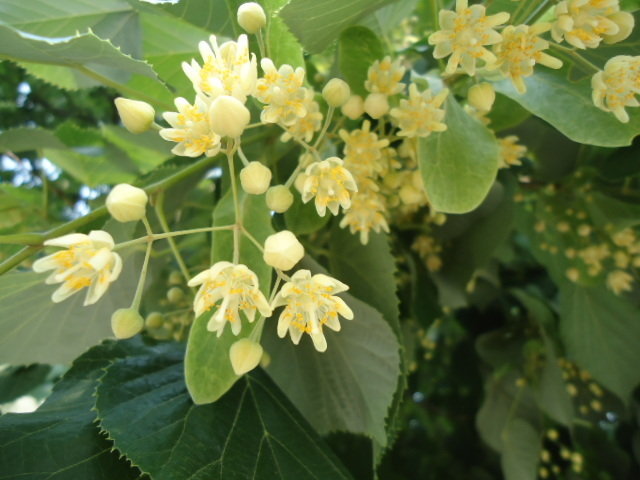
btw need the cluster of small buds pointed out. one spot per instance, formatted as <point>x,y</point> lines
<point>590,252</point>
<point>429,249</point>
<point>584,391</point>
<point>557,458</point>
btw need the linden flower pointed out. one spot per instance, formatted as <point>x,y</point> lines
<point>282,92</point>
<point>191,130</point>
<point>235,287</point>
<point>521,48</point>
<point>421,113</point>
<point>384,77</point>
<point>88,261</point>
<point>363,151</point>
<point>617,85</point>
<point>304,128</point>
<point>367,212</point>
<point>510,151</point>
<point>619,281</point>
<point>464,34</point>
<point>310,303</point>
<point>228,69</point>
<point>585,23</point>
<point>330,183</point>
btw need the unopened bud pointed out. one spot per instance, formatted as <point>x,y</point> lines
<point>136,116</point>
<point>481,96</point>
<point>175,278</point>
<point>255,178</point>
<point>299,181</point>
<point>251,17</point>
<point>126,322</point>
<point>228,116</point>
<point>354,107</point>
<point>154,320</point>
<point>279,198</point>
<point>127,203</point>
<point>245,355</point>
<point>376,105</point>
<point>175,294</point>
<point>410,195</point>
<point>336,92</point>
<point>282,250</point>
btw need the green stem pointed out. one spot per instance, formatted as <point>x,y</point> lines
<point>236,203</point>
<point>575,55</point>
<point>172,243</point>
<point>161,236</point>
<point>252,239</point>
<point>537,13</point>
<point>135,304</point>
<point>327,121</point>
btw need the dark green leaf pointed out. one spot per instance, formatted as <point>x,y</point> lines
<point>302,218</point>
<point>251,432</point>
<point>282,45</point>
<point>358,48</point>
<point>23,139</point>
<point>18,381</point>
<point>459,165</point>
<point>521,451</point>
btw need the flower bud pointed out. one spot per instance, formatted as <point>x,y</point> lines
<point>245,355</point>
<point>127,203</point>
<point>279,198</point>
<point>126,322</point>
<point>354,107</point>
<point>154,320</point>
<point>282,250</point>
<point>481,96</point>
<point>255,178</point>
<point>299,181</point>
<point>228,116</point>
<point>376,105</point>
<point>175,294</point>
<point>336,92</point>
<point>176,278</point>
<point>410,195</point>
<point>251,17</point>
<point>136,116</point>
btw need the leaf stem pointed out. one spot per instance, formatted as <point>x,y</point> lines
<point>236,203</point>
<point>172,243</point>
<point>135,304</point>
<point>327,121</point>
<point>162,236</point>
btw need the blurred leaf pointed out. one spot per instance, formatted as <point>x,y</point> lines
<point>251,432</point>
<point>60,441</point>
<point>600,332</point>
<point>213,16</point>
<point>552,97</point>
<point>208,368</point>
<point>18,381</point>
<point>358,48</point>
<point>23,139</point>
<point>147,150</point>
<point>460,164</point>
<point>605,210</point>
<point>349,387</point>
<point>318,24</point>
<point>369,270</point>
<point>302,218</point>
<point>506,113</point>
<point>521,451</point>
<point>384,20</point>
<point>34,329</point>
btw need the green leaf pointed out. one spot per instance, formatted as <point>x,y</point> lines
<point>552,97</point>
<point>369,270</point>
<point>90,55</point>
<point>60,441</point>
<point>351,385</point>
<point>521,451</point>
<point>146,150</point>
<point>208,368</point>
<point>609,211</point>
<point>358,48</point>
<point>386,19</point>
<point>302,218</point>
<point>506,113</point>
<point>23,139</point>
<point>34,329</point>
<point>600,332</point>
<point>211,15</point>
<point>18,381</point>
<point>112,19</point>
<point>318,24</point>
<point>283,47</point>
<point>251,432</point>
<point>460,164</point>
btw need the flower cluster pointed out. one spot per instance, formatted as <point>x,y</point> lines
<point>617,85</point>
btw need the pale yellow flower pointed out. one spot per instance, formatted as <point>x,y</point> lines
<point>88,261</point>
<point>191,130</point>
<point>511,153</point>
<point>228,69</point>
<point>228,288</point>
<point>309,304</point>
<point>521,48</point>
<point>363,151</point>
<point>420,114</point>
<point>585,23</point>
<point>367,212</point>
<point>305,127</point>
<point>282,93</point>
<point>330,183</point>
<point>616,87</point>
<point>464,35</point>
<point>385,76</point>
<point>619,281</point>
